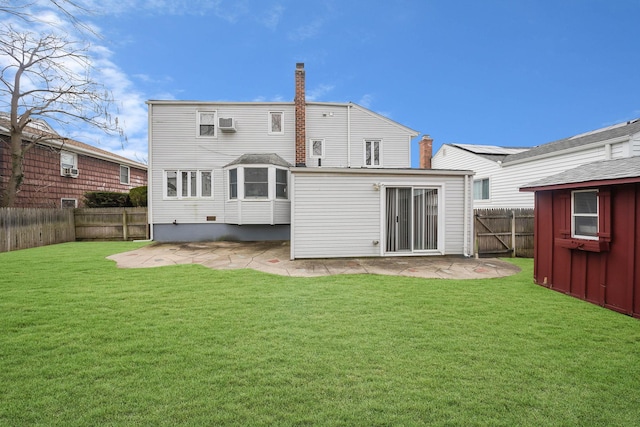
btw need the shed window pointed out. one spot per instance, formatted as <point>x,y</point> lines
<point>584,214</point>
<point>481,189</point>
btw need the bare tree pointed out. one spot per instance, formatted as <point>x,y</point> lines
<point>46,76</point>
<point>69,9</point>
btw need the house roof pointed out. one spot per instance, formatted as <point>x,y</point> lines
<point>260,159</point>
<point>604,134</point>
<point>490,152</point>
<point>597,173</point>
<point>40,128</point>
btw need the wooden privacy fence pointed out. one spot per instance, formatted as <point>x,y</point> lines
<point>23,228</point>
<point>111,224</point>
<point>504,232</point>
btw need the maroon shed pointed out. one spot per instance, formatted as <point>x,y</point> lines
<point>587,233</point>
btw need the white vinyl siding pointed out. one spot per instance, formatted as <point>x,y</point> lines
<point>175,146</point>
<point>341,215</point>
<point>332,123</point>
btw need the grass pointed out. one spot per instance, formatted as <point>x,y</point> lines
<point>83,343</point>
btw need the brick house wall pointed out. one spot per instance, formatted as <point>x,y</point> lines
<point>44,187</point>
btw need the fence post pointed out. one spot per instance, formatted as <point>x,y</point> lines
<point>513,233</point>
<point>125,226</point>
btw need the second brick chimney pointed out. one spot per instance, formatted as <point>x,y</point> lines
<point>426,152</point>
<point>300,104</point>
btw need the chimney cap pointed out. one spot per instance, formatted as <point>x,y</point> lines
<point>299,65</point>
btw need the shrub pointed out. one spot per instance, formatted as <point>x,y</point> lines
<point>138,196</point>
<point>106,199</point>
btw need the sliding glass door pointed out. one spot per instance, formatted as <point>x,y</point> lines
<point>411,219</point>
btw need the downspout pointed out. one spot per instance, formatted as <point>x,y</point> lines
<point>465,227</point>
<point>150,172</point>
<point>349,135</point>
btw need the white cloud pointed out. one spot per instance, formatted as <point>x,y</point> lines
<point>316,93</point>
<point>366,101</point>
<point>307,31</point>
<point>271,18</point>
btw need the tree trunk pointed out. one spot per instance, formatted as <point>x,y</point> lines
<point>17,171</point>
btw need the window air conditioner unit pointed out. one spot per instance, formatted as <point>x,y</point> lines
<point>73,172</point>
<point>227,125</point>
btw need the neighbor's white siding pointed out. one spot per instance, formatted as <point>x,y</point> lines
<point>174,145</point>
<point>339,214</point>
<point>506,179</point>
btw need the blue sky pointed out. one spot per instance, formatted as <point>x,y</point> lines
<point>498,72</point>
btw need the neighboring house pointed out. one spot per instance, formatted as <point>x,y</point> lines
<point>587,233</point>
<point>500,171</point>
<point>59,171</point>
<point>333,178</point>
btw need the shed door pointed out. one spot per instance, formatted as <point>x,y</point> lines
<point>411,219</point>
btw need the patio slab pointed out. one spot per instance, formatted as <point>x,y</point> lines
<point>273,257</point>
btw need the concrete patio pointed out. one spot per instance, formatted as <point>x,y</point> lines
<point>273,257</point>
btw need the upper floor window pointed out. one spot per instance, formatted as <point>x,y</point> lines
<point>317,148</point>
<point>276,122</point>
<point>372,152</point>
<point>481,189</point>
<point>124,174</point>
<point>188,183</point>
<point>207,124</point>
<point>584,214</point>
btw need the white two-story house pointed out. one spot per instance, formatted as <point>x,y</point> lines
<point>333,178</point>
<point>501,171</point>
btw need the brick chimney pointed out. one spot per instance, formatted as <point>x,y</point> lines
<point>300,104</point>
<point>426,152</point>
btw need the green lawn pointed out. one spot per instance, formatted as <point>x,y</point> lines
<point>83,343</point>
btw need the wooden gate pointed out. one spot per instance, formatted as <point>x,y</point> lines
<point>504,232</point>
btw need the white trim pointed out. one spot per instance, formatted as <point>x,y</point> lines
<point>198,178</point>
<point>270,130</point>
<point>364,152</point>
<point>596,215</point>
<point>199,113</point>
<point>311,152</point>
<point>128,175</point>
<point>441,238</point>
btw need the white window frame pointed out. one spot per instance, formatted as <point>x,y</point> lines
<point>128,169</point>
<point>270,123</point>
<point>198,191</point>
<point>574,215</point>
<point>482,180</point>
<point>311,151</point>
<point>68,199</point>
<point>271,183</point>
<point>73,163</point>
<point>199,114</point>
<point>373,141</point>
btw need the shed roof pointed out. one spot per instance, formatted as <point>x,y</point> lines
<point>597,173</point>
